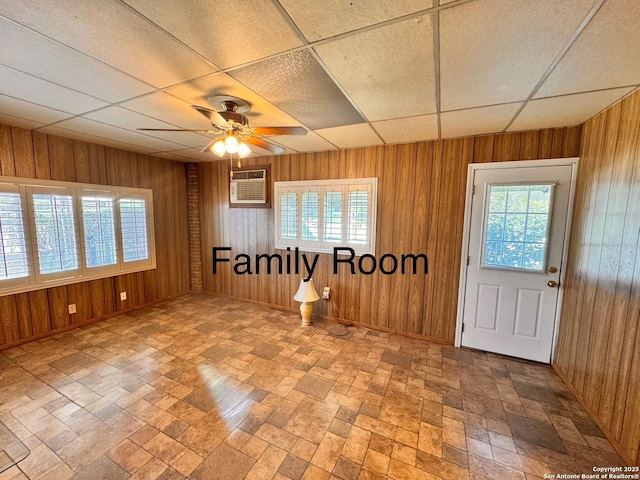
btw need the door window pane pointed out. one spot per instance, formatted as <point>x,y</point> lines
<point>99,231</point>
<point>56,233</point>
<point>517,226</point>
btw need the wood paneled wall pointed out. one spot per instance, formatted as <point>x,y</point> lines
<point>24,153</point>
<point>421,195</point>
<point>598,351</point>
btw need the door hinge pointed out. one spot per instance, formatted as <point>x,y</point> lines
<point>473,190</point>
<point>468,260</point>
<point>463,328</point>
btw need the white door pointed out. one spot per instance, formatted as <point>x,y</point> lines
<point>516,241</point>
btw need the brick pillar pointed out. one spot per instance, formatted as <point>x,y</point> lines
<point>195,253</point>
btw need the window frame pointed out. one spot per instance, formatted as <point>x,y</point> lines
<point>36,280</point>
<point>19,282</point>
<point>100,192</point>
<point>344,186</point>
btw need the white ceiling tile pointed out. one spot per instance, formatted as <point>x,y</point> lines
<point>261,114</point>
<point>566,110</point>
<point>98,140</point>
<point>30,52</point>
<point>412,129</point>
<point>297,84</point>
<point>114,34</point>
<point>358,135</point>
<point>388,72</point>
<point>91,127</point>
<point>27,87</point>
<point>30,111</point>
<point>496,51</point>
<point>129,120</point>
<point>605,55</point>
<point>311,142</point>
<point>165,107</point>
<point>476,121</point>
<point>317,20</point>
<point>228,35</point>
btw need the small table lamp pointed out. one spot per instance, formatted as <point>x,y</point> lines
<point>307,295</point>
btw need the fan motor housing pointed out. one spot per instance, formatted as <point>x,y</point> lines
<point>234,117</point>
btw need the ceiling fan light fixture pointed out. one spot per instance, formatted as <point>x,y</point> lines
<point>231,144</point>
<point>218,148</point>
<point>243,150</point>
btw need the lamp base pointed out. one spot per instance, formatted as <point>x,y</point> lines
<point>306,308</point>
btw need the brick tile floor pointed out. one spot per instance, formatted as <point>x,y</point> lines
<point>206,387</point>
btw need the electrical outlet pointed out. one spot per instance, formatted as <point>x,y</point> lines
<point>72,308</point>
<point>123,296</point>
<point>326,293</point>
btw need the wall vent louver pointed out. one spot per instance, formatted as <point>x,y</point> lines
<point>249,186</point>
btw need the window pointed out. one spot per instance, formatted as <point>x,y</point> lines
<point>14,262</point>
<point>56,233</point>
<point>317,216</point>
<point>98,222</point>
<point>517,226</point>
<point>133,221</point>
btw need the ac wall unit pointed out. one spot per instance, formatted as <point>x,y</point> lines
<point>249,186</point>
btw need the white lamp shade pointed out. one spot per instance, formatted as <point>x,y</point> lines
<point>218,148</point>
<point>231,144</point>
<point>306,292</point>
<point>243,150</point>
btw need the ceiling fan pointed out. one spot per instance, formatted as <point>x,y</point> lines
<point>232,127</point>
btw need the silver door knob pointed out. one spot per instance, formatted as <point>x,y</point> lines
<point>552,284</point>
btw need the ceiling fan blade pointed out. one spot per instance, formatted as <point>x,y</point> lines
<point>265,145</point>
<point>173,130</point>
<point>279,130</point>
<point>213,116</point>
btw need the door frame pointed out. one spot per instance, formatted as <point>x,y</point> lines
<point>471,171</point>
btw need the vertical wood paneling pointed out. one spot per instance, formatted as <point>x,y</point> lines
<point>23,151</point>
<point>61,159</point>
<point>41,155</point>
<point>9,326</point>
<point>7,162</point>
<point>403,230</point>
<point>40,318</point>
<point>599,342</point>
<point>421,195</point>
<point>35,155</point>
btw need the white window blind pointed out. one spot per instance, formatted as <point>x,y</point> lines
<point>318,216</point>
<point>58,233</point>
<point>333,216</point>
<point>289,218</point>
<point>133,219</point>
<point>98,219</point>
<point>358,212</point>
<point>310,216</point>
<point>13,243</point>
<point>55,232</point>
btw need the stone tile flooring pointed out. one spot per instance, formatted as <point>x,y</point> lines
<point>210,388</point>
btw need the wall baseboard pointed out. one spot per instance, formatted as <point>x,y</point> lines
<point>66,328</point>
<point>341,321</point>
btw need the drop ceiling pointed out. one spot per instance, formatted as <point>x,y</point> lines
<point>353,73</point>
